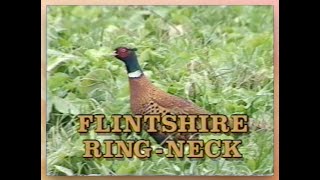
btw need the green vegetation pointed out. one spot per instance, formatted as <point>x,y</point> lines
<point>219,57</point>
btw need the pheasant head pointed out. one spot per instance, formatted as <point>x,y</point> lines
<point>128,56</point>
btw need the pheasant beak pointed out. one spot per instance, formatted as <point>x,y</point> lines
<point>114,53</point>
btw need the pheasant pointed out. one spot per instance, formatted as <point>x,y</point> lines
<point>145,98</point>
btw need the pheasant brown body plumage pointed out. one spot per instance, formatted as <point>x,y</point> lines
<point>147,99</point>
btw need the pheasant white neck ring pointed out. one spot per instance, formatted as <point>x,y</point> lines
<point>135,74</point>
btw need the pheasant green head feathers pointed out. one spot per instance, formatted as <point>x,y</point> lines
<point>128,56</point>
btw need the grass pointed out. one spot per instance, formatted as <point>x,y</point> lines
<point>220,57</point>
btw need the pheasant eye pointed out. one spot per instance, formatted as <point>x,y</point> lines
<point>122,50</point>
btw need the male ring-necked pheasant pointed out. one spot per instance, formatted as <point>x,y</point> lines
<point>147,99</point>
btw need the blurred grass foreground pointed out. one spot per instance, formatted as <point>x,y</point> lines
<point>220,57</point>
